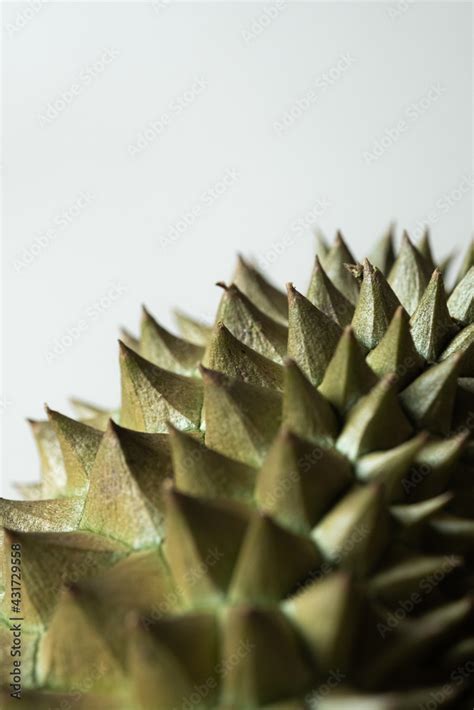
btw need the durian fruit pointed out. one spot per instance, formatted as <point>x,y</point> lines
<point>280,514</point>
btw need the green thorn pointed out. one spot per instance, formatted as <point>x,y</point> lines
<point>429,400</point>
<point>191,329</point>
<point>324,295</point>
<point>312,336</point>
<point>383,256</point>
<point>201,562</point>
<point>252,326</point>
<point>390,467</point>
<point>299,481</point>
<point>200,471</point>
<point>258,576</point>
<point>79,445</point>
<point>463,343</point>
<point>305,410</point>
<point>241,419</point>
<point>396,353</point>
<point>265,296</point>
<point>326,614</point>
<point>431,324</point>
<point>334,264</point>
<point>347,376</point>
<point>375,308</point>
<point>375,423</point>
<point>166,350</point>
<point>116,505</point>
<point>424,247</point>
<point>263,658</point>
<point>461,301</point>
<point>353,533</point>
<point>228,355</point>
<point>409,275</point>
<point>152,396</point>
<point>467,263</point>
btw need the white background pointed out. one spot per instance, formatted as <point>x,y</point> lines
<point>404,62</point>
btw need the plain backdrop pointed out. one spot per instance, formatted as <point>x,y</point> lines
<point>146,143</point>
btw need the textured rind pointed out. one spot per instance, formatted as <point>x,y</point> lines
<point>281,515</point>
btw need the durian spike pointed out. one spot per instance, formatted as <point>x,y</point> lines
<point>130,341</point>
<point>79,445</point>
<point>250,325</point>
<point>383,255</point>
<point>166,350</point>
<point>347,377</point>
<point>200,471</point>
<point>326,614</point>
<point>305,410</point>
<point>425,249</point>
<point>434,465</point>
<point>53,471</point>
<point>366,428</point>
<point>396,353</point>
<point>265,296</point>
<point>152,396</point>
<point>54,515</point>
<point>324,295</point>
<point>429,400</point>
<point>191,329</point>
<point>352,535</point>
<point>418,639</point>
<point>334,264</point>
<point>168,646</point>
<point>431,325</point>
<point>375,308</point>
<point>158,678</point>
<point>322,247</point>
<point>461,301</point>
<point>240,419</point>
<point>226,354</point>
<point>390,467</point>
<point>258,578</point>
<point>201,563</point>
<point>115,504</point>
<point>306,346</point>
<point>264,658</point>
<point>467,263</point>
<point>411,577</point>
<point>72,649</point>
<point>299,481</point>
<point>463,342</point>
<point>409,276</point>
